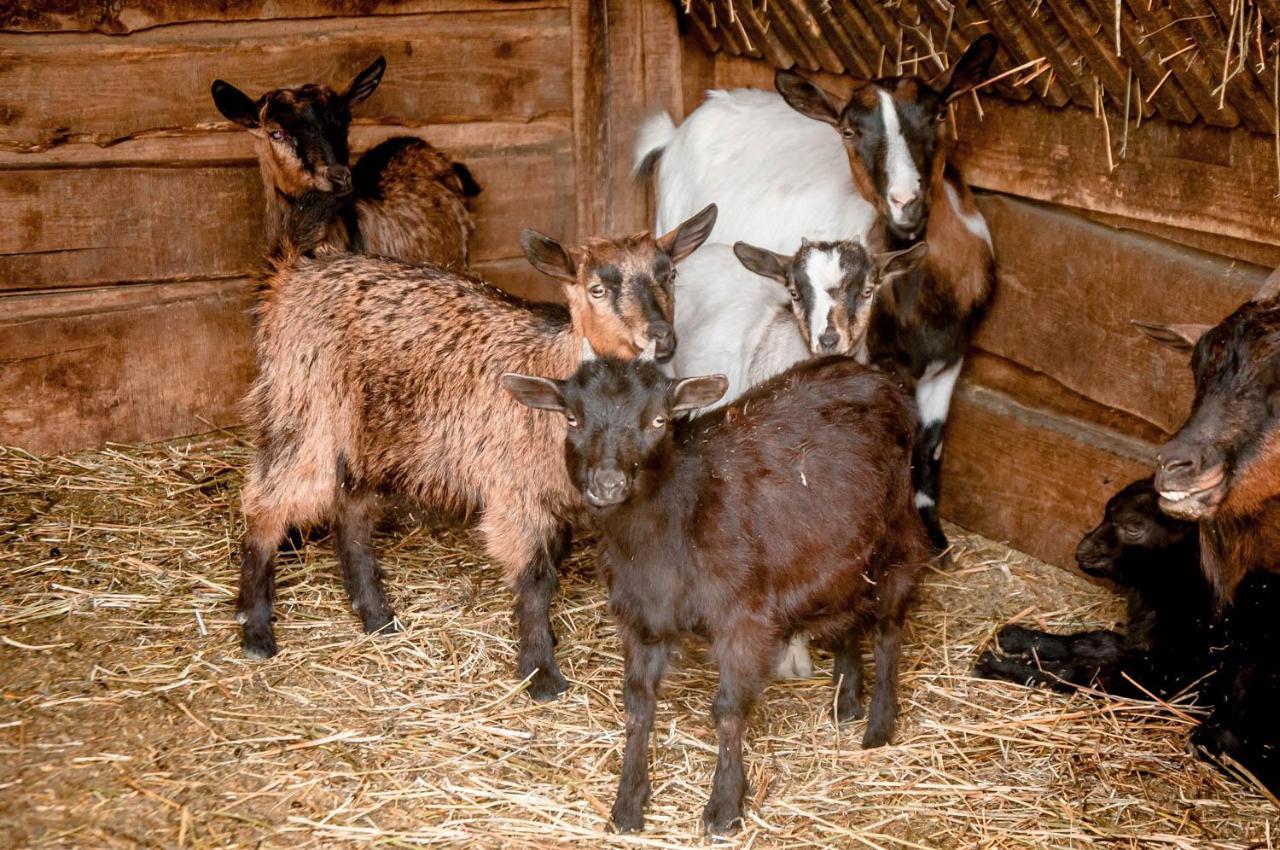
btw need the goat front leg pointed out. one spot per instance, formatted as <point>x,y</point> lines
<point>644,664</point>
<point>744,671</point>
<point>933,401</point>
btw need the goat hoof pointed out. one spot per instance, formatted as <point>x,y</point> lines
<point>546,686</point>
<point>876,736</point>
<point>259,646</point>
<point>627,817</point>
<point>847,710</point>
<point>383,626</point>
<point>721,817</point>
<point>985,666</point>
<point>1015,640</point>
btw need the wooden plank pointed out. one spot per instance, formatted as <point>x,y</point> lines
<point>590,114</point>
<point>627,104</point>
<point>1068,289</point>
<point>1081,28</point>
<point>80,227</point>
<point>178,365</point>
<point>1197,177</point>
<point>1032,479</point>
<point>137,15</point>
<point>1025,47</point>
<point>444,68</point>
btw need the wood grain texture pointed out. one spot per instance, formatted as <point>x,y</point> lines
<point>1068,289</point>
<point>442,68</point>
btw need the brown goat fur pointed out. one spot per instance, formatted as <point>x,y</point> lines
<point>377,376</point>
<point>408,199</point>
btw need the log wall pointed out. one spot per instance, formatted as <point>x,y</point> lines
<point>1062,401</point>
<point>133,211</point>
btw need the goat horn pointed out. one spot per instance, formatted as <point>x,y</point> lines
<point>588,353</point>
<point>1270,287</point>
<point>650,350</point>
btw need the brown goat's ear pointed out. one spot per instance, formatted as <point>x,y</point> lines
<point>365,82</point>
<point>532,391</point>
<point>762,262</point>
<point>689,234</point>
<point>548,256</point>
<point>895,263</point>
<point>971,69</point>
<point>1177,337</point>
<point>692,393</point>
<point>808,98</point>
<point>234,104</point>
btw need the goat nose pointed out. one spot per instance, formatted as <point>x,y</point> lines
<point>829,339</point>
<point>660,332</point>
<point>902,198</point>
<point>340,177</point>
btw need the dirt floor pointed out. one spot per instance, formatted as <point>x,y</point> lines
<point>128,717</point>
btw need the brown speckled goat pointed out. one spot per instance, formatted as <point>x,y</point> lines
<point>379,376</point>
<point>406,198</point>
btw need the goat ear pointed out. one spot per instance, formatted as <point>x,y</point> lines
<point>1177,337</point>
<point>689,235</point>
<point>692,393</point>
<point>365,82</point>
<point>234,104</point>
<point>549,256</point>
<point>808,98</point>
<point>969,70</point>
<point>470,188</point>
<point>762,262</point>
<point>1270,288</point>
<point>894,263</point>
<point>535,392</point>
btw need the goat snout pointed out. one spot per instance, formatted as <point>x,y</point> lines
<point>339,177</point>
<point>606,487</point>
<point>829,340</point>
<point>1190,479</point>
<point>664,338</point>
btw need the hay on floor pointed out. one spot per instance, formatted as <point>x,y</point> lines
<point>128,717</point>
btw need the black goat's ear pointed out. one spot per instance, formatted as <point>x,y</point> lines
<point>1177,337</point>
<point>532,391</point>
<point>470,188</point>
<point>689,235</point>
<point>808,98</point>
<point>763,262</point>
<point>692,393</point>
<point>549,256</point>
<point>234,104</point>
<point>970,70</point>
<point>365,82</point>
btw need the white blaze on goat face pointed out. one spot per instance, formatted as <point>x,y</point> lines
<point>902,177</point>
<point>824,276</point>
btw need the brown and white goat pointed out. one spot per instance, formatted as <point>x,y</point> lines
<point>407,199</point>
<point>790,510</point>
<point>872,168</point>
<point>377,376</point>
<point>1222,467</point>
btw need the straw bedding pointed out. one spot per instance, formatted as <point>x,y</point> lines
<point>127,716</point>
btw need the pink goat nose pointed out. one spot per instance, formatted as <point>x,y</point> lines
<point>901,199</point>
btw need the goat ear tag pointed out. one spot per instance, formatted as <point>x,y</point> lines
<point>533,391</point>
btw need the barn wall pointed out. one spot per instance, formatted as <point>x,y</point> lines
<point>1062,402</point>
<point>134,211</point>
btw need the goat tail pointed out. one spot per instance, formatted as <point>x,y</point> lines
<point>654,135</point>
<point>304,231</point>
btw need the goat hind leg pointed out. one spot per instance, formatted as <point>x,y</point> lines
<point>847,672</point>
<point>258,586</point>
<point>361,574</point>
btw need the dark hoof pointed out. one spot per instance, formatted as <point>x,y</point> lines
<point>384,626</point>
<point>985,668</point>
<point>546,686</point>
<point>877,735</point>
<point>849,709</point>
<point>721,817</point>
<point>259,645</point>
<point>1015,640</point>
<point>627,817</point>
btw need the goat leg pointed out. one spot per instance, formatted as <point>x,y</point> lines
<point>645,663</point>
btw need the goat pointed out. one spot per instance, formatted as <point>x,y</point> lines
<point>790,510</point>
<point>377,375</point>
<point>1165,645</point>
<point>1222,467</point>
<point>1174,637</point>
<point>408,200</point>
<point>881,177</point>
<point>749,329</point>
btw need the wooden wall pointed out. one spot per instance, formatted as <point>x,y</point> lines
<point>1063,402</point>
<point>133,211</point>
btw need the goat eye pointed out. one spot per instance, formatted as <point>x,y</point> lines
<point>597,291</point>
<point>795,296</point>
<point>659,421</point>
<point>848,132</point>
<point>571,419</point>
<point>278,135</point>
<point>868,291</point>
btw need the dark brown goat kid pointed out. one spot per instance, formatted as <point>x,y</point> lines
<point>789,510</point>
<point>378,376</point>
<point>1222,467</point>
<point>407,199</point>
